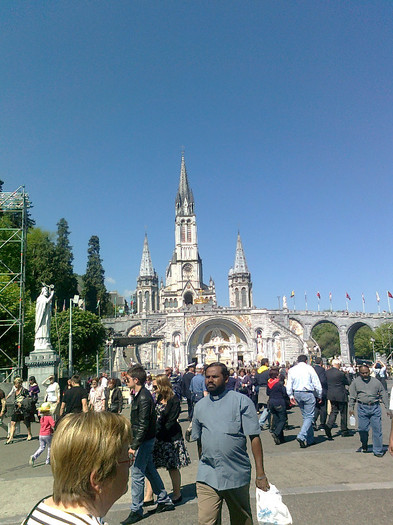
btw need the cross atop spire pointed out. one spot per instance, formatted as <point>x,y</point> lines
<point>240,265</point>
<point>184,199</point>
<point>146,269</point>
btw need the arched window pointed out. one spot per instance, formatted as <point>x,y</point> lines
<point>188,231</point>
<point>244,297</point>
<point>183,232</point>
<point>175,303</point>
<point>140,302</point>
<point>237,302</point>
<point>147,301</point>
<point>188,299</point>
<point>153,301</point>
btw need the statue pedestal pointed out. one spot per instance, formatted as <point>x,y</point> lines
<point>42,363</point>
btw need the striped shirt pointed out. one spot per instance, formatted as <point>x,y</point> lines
<point>45,515</point>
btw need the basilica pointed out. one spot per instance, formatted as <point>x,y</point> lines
<point>178,321</point>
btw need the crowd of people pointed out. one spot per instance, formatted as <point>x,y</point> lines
<point>224,406</point>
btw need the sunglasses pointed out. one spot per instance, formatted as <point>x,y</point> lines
<point>130,460</point>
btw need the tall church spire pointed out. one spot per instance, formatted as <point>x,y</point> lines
<point>239,280</point>
<point>146,269</point>
<point>184,203</point>
<point>240,265</point>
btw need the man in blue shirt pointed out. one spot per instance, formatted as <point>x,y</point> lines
<point>222,421</point>
<point>197,390</point>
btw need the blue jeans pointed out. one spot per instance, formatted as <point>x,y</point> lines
<point>306,402</point>
<point>264,416</point>
<point>371,415</point>
<point>144,466</point>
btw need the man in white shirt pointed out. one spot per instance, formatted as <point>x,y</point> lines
<point>304,387</point>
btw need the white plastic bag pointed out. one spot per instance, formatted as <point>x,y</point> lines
<point>271,509</point>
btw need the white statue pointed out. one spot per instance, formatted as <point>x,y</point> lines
<point>43,312</point>
<point>284,303</point>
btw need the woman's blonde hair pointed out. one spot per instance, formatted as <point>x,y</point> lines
<point>18,381</point>
<point>164,387</point>
<point>85,443</point>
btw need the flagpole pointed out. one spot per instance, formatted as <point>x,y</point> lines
<point>387,295</point>
<point>330,300</point>
<point>318,304</point>
<point>363,304</point>
<point>346,302</point>
<point>305,298</point>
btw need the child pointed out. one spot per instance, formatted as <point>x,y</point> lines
<point>47,424</point>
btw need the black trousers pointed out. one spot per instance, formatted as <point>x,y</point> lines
<point>279,418</point>
<point>321,411</point>
<point>342,407</point>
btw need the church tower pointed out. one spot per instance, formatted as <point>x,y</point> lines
<point>147,283</point>
<point>239,280</point>
<point>184,278</point>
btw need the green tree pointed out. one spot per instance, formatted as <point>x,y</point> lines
<point>326,335</point>
<point>88,335</point>
<point>65,282</point>
<point>362,344</point>
<point>94,291</point>
<point>40,261</point>
<point>383,336</point>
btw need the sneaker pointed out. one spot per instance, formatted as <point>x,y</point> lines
<point>364,449</point>
<point>381,455</point>
<point>302,443</point>
<point>31,461</point>
<point>164,507</point>
<point>47,462</point>
<point>133,517</point>
<point>276,439</point>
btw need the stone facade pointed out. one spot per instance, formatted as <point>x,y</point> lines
<point>189,325</point>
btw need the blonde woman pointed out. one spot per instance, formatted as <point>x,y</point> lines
<point>170,450</point>
<point>96,445</point>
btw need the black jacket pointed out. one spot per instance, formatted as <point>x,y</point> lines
<point>337,381</point>
<point>321,373</point>
<point>143,418</point>
<point>168,428</point>
<point>117,400</point>
<point>185,384</point>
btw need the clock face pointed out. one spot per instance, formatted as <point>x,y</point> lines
<point>187,271</point>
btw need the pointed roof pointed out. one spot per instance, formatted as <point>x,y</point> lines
<point>240,265</point>
<point>184,193</point>
<point>146,269</point>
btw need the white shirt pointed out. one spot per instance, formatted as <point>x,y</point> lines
<point>53,393</point>
<point>104,382</point>
<point>302,377</point>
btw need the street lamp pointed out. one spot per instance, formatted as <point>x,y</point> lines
<point>372,341</point>
<point>74,300</point>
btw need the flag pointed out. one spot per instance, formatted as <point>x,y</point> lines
<point>390,295</point>
<point>98,303</point>
<point>64,306</point>
<point>347,295</point>
<point>293,293</point>
<point>377,294</point>
<point>363,299</point>
<point>318,295</point>
<point>330,296</point>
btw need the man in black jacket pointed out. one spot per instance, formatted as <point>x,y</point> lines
<point>338,397</point>
<point>185,388</point>
<point>321,407</point>
<point>143,430</point>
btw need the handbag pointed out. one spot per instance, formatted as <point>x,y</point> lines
<point>271,510</point>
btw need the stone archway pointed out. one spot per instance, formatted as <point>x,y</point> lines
<point>351,332</point>
<point>221,340</point>
<point>340,345</point>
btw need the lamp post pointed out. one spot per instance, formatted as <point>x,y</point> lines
<point>372,341</point>
<point>74,300</point>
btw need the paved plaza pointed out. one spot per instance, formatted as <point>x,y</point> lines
<point>325,484</point>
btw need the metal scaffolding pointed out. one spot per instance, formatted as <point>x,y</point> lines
<point>13,232</point>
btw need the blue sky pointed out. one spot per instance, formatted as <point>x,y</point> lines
<point>285,111</point>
